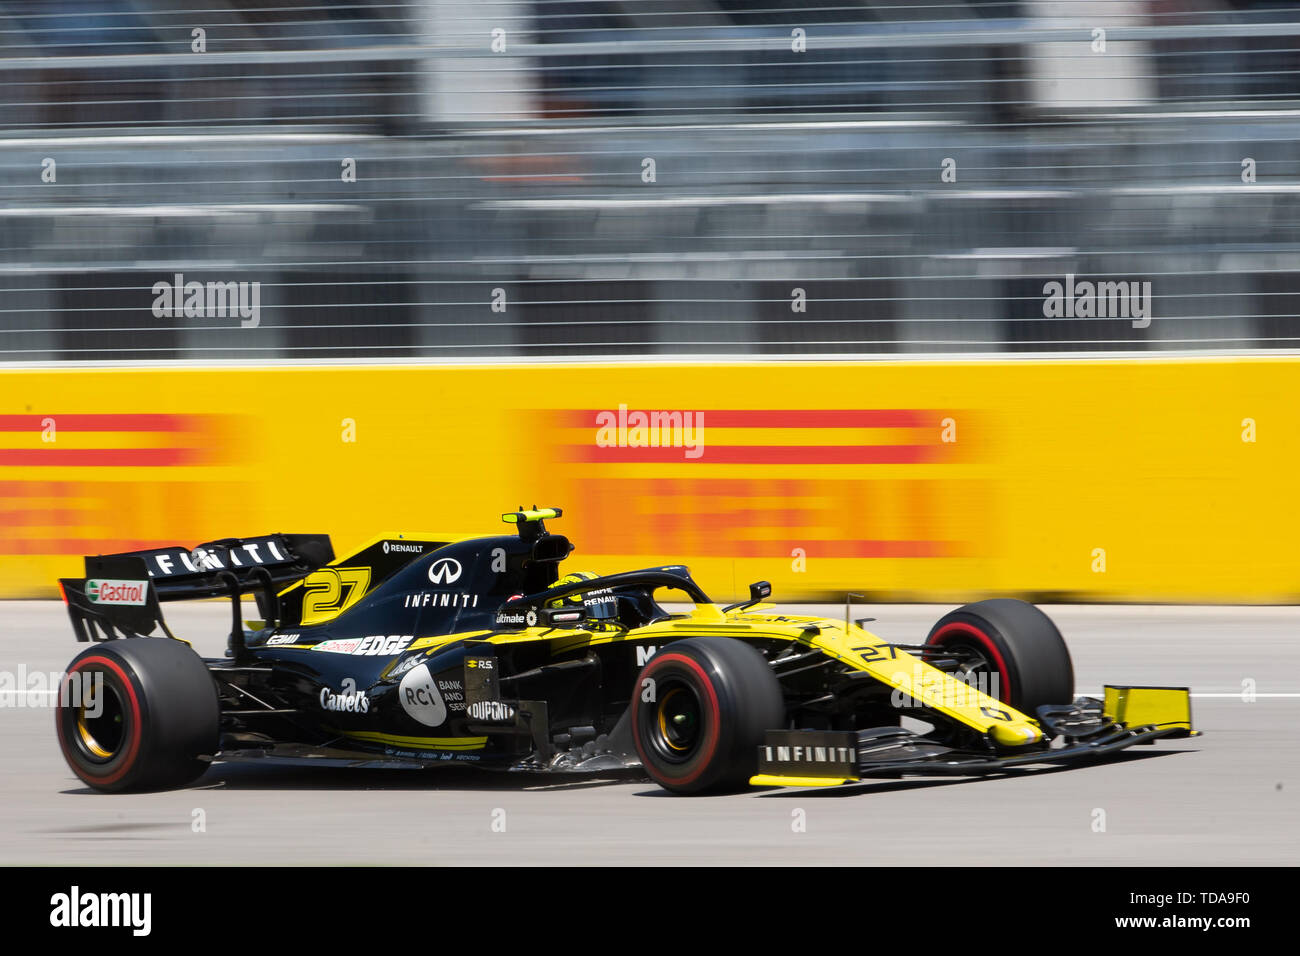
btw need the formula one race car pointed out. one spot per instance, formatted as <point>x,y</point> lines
<point>422,651</point>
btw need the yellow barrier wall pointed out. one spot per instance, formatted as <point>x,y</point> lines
<point>1164,480</point>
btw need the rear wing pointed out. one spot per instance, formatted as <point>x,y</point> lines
<point>121,593</point>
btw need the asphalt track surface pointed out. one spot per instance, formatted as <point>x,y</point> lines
<point>1228,797</point>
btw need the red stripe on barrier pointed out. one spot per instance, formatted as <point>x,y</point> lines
<point>878,549</point>
<point>778,418</point>
<point>759,454</point>
<point>96,423</point>
<point>818,418</point>
<point>98,457</point>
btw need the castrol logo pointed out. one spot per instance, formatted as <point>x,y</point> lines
<point>102,591</point>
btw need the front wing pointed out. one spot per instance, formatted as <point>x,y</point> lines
<point>1086,730</point>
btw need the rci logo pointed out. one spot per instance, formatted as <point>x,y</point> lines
<point>444,571</point>
<point>419,696</point>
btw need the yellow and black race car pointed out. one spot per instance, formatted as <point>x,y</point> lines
<point>424,651</point>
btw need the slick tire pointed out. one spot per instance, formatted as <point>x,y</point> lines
<point>148,711</point>
<point>700,710</point>
<point>1014,643</point>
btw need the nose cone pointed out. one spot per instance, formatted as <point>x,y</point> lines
<point>1015,736</point>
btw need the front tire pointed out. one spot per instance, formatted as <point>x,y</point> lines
<point>136,714</point>
<point>700,712</point>
<point>1015,644</point>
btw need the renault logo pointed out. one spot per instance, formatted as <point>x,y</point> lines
<point>444,571</point>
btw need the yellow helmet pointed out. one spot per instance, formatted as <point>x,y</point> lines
<point>600,605</point>
<point>573,600</point>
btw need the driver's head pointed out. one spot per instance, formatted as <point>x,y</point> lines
<point>600,605</point>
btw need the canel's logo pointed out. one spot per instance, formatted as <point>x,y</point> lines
<point>444,571</point>
<point>348,700</point>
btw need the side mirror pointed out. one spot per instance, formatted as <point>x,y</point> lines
<point>758,591</point>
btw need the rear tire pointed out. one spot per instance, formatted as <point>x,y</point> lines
<point>1017,643</point>
<point>700,712</point>
<point>149,711</point>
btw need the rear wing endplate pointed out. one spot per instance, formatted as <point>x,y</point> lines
<point>121,593</point>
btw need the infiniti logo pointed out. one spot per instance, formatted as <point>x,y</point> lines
<point>444,571</point>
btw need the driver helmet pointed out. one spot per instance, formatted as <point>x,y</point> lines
<point>600,605</point>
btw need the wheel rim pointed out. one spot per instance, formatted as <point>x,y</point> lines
<point>678,723</point>
<point>100,736</point>
<point>976,669</point>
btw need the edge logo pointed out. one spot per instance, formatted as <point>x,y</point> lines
<point>444,571</point>
<point>372,645</point>
<point>420,697</point>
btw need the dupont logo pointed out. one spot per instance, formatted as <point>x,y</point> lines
<point>444,571</point>
<point>490,710</point>
<point>117,592</point>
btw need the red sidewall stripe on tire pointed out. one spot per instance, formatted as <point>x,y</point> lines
<point>133,746</point>
<point>970,630</point>
<point>714,709</point>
